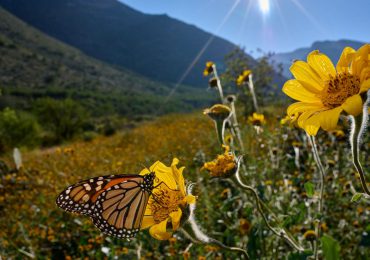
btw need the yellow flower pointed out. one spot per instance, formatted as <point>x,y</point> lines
<point>324,227</point>
<point>257,119</point>
<point>209,68</point>
<point>186,255</point>
<point>285,120</point>
<point>168,200</point>
<point>218,112</point>
<point>310,235</point>
<point>324,92</point>
<point>244,77</point>
<point>339,134</point>
<point>229,139</point>
<point>244,226</point>
<point>224,166</point>
<point>268,182</point>
<point>210,248</point>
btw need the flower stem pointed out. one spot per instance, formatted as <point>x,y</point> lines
<point>358,125</point>
<point>236,128</point>
<point>219,87</point>
<point>220,130</point>
<point>251,88</point>
<point>278,232</point>
<point>320,202</point>
<point>199,237</point>
<point>211,241</point>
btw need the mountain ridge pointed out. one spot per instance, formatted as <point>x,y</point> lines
<point>157,46</point>
<point>332,48</point>
<point>35,65</point>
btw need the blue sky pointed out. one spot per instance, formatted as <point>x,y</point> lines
<point>271,25</point>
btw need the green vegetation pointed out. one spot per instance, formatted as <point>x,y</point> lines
<point>267,81</point>
<point>156,46</point>
<point>35,66</point>
<point>64,119</point>
<point>17,129</point>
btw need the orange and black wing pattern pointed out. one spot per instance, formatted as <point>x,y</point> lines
<point>116,203</point>
<point>119,210</point>
<point>81,197</point>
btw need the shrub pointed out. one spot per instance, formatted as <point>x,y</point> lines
<point>63,118</point>
<point>17,129</point>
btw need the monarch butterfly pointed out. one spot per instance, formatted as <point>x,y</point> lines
<point>115,203</point>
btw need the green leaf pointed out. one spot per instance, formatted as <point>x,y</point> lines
<point>356,197</point>
<point>367,229</point>
<point>310,189</point>
<point>330,247</point>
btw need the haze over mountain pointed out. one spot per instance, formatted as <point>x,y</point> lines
<point>34,65</point>
<point>331,48</point>
<point>157,46</point>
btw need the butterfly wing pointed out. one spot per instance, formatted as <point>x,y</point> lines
<point>120,209</point>
<point>81,197</point>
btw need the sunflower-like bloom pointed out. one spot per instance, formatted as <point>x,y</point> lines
<point>244,77</point>
<point>339,134</point>
<point>310,235</point>
<point>224,166</point>
<point>218,112</point>
<point>168,200</point>
<point>257,119</point>
<point>324,92</point>
<point>209,68</point>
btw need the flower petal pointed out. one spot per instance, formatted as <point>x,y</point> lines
<point>345,60</point>
<point>329,118</point>
<point>353,105</point>
<point>175,218</point>
<point>144,171</point>
<point>321,64</point>
<point>164,174</point>
<point>178,176</point>
<point>312,124</point>
<point>305,116</point>
<point>361,60</point>
<point>365,74</point>
<point>300,107</point>
<point>295,90</point>
<point>190,199</point>
<point>365,86</point>
<point>147,222</point>
<point>307,76</point>
<point>159,232</point>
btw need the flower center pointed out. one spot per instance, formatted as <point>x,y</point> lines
<point>339,88</point>
<point>164,203</point>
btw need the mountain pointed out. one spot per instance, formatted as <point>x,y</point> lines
<point>331,48</point>
<point>157,46</point>
<point>34,65</point>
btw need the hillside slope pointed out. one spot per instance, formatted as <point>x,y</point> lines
<point>34,65</point>
<point>156,46</point>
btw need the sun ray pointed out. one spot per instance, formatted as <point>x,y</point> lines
<point>200,53</point>
<point>309,16</point>
<point>264,6</point>
<point>281,17</point>
<point>244,21</point>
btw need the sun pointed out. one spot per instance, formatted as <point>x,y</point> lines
<point>264,6</point>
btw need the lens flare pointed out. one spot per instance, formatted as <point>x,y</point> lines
<point>264,6</point>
